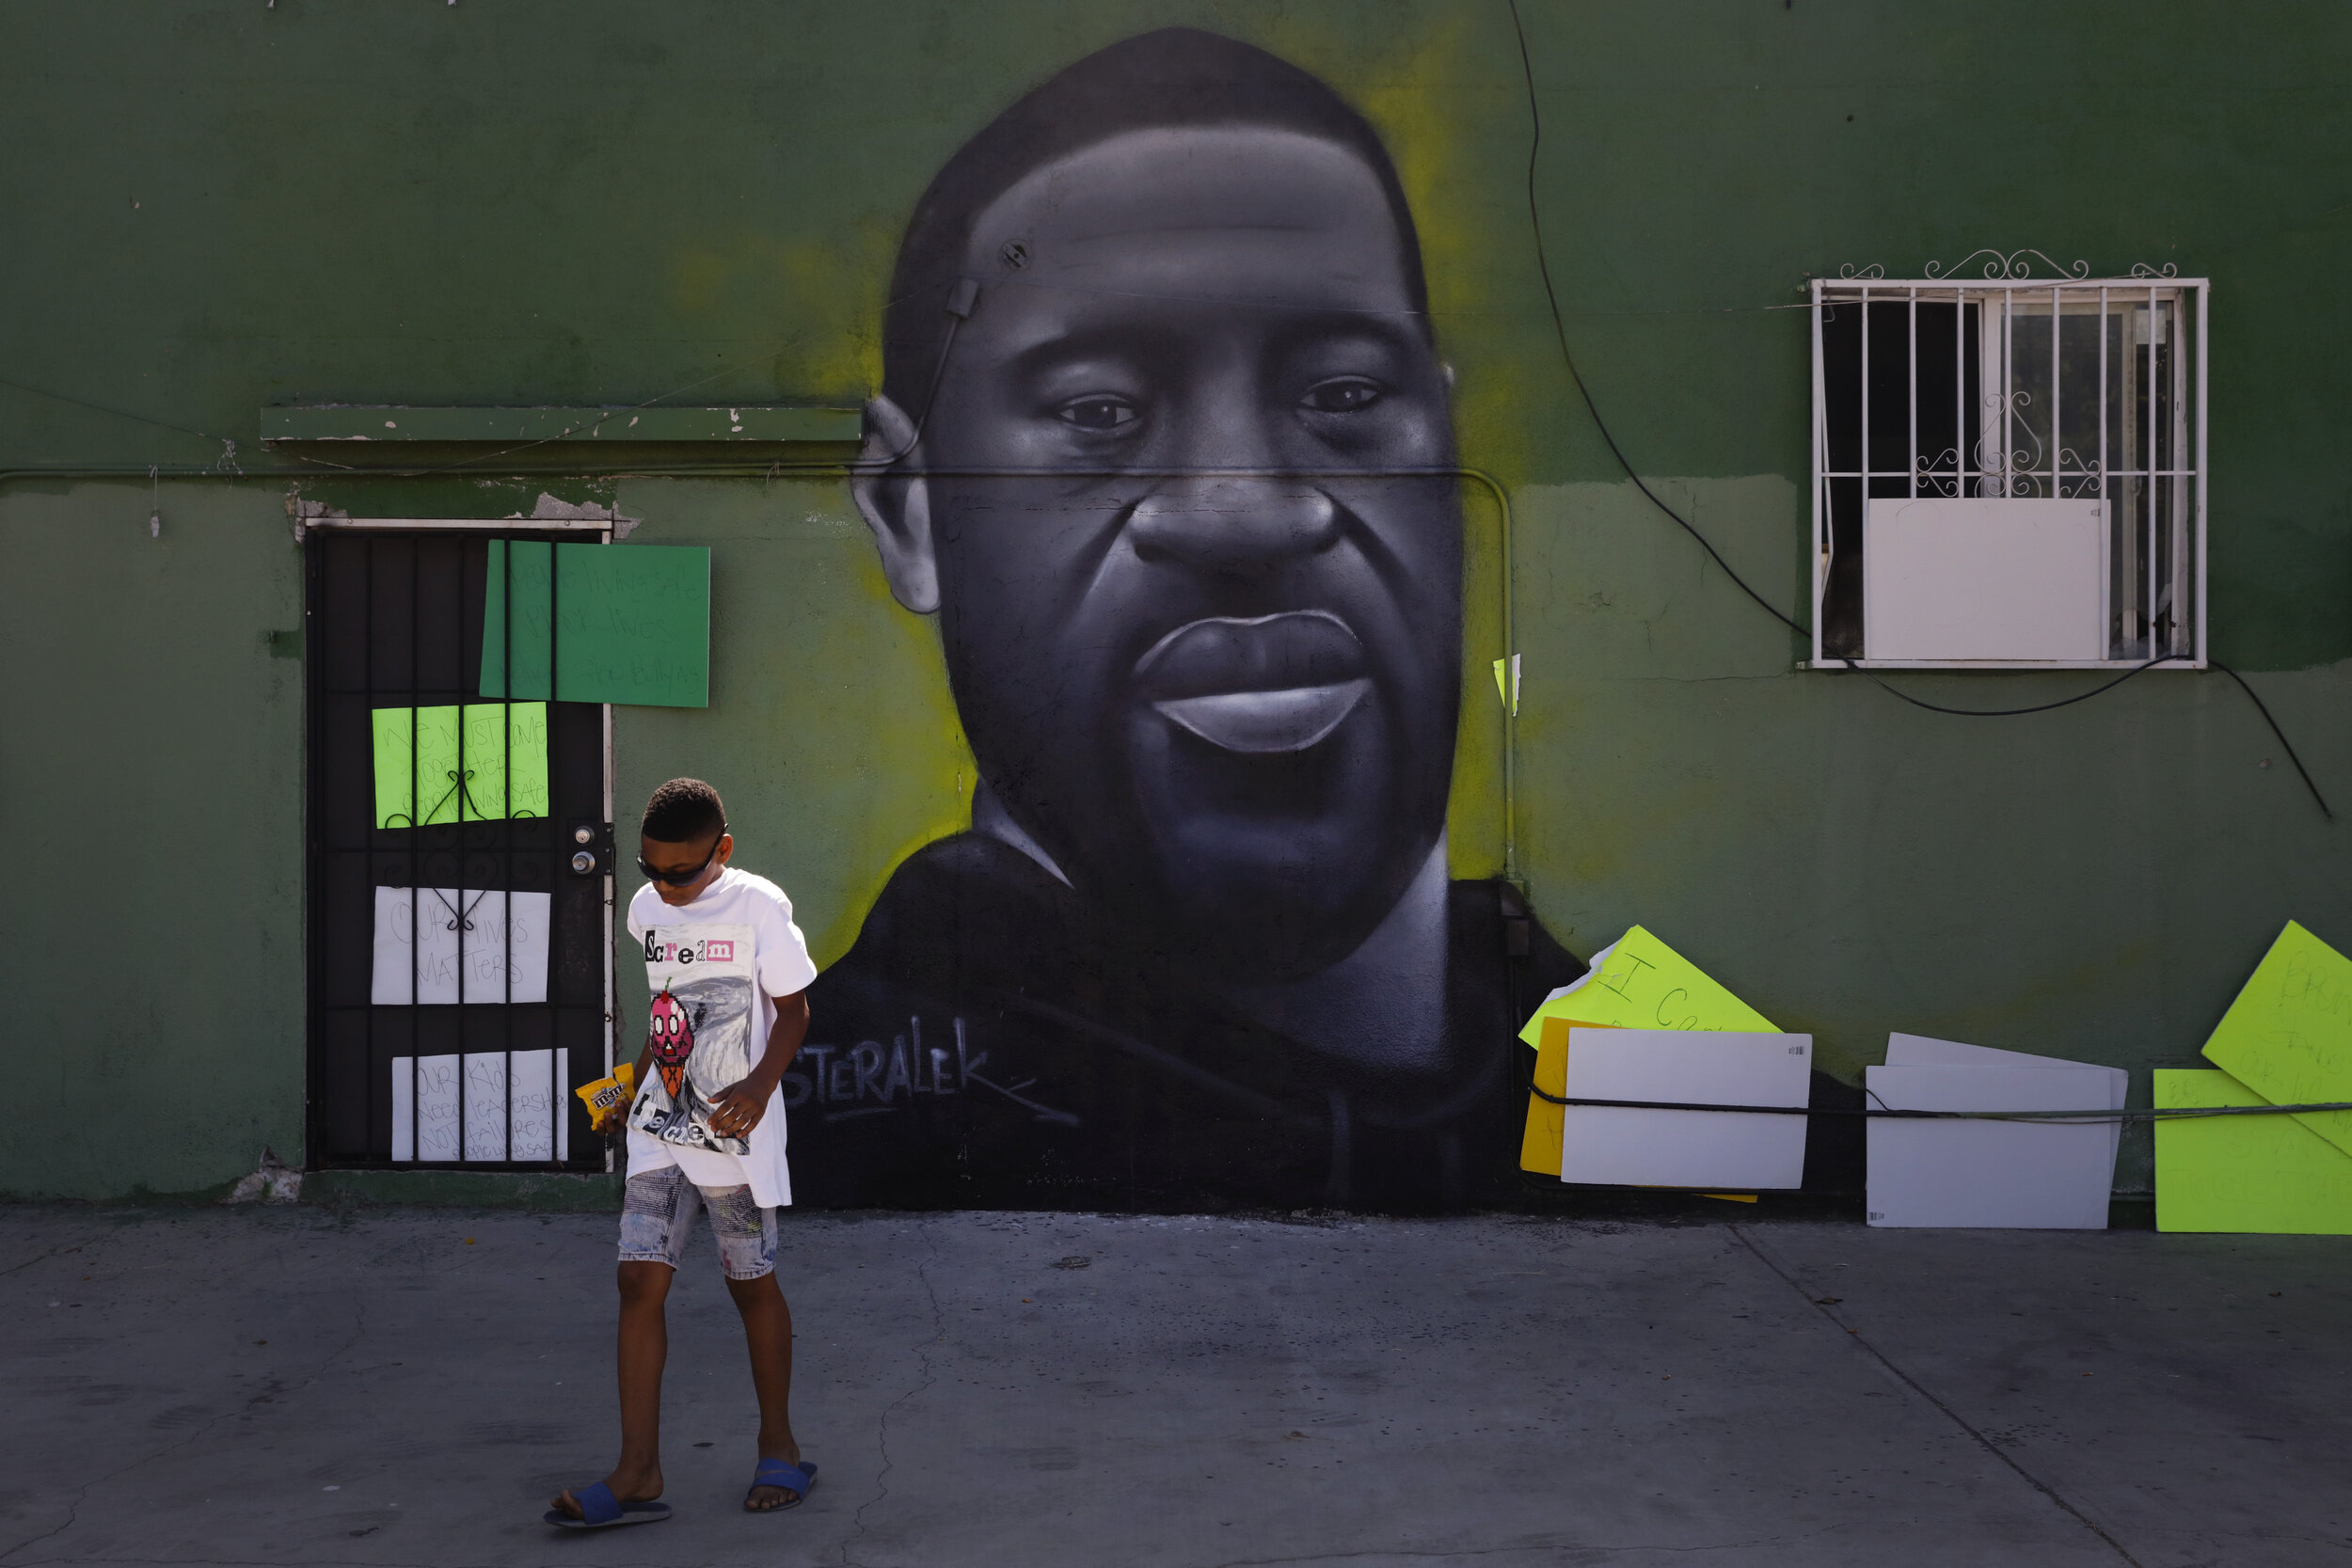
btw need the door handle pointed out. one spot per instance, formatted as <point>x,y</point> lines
<point>593,854</point>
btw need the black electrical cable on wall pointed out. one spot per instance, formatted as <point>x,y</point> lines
<point>1560,334</point>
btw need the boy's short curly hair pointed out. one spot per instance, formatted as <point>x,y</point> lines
<point>684,811</point>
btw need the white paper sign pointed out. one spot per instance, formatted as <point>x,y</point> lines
<point>2008,1175</point>
<point>1685,1148</point>
<point>456,942</point>
<point>425,1108</point>
<point>1925,1051</point>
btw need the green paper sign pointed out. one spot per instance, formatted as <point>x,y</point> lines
<point>1641,983</point>
<point>632,623</point>
<point>471,783</point>
<point>2244,1174</point>
<point>2288,1037</point>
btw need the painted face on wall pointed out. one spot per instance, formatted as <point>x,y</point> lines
<point>1207,651</point>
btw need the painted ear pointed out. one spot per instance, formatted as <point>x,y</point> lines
<point>897,507</point>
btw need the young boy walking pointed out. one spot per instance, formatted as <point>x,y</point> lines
<point>729,973</point>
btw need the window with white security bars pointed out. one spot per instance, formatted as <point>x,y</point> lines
<point>2009,472</point>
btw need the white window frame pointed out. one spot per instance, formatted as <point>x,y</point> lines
<point>1985,464</point>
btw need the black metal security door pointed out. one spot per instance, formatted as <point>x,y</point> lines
<point>460,975</point>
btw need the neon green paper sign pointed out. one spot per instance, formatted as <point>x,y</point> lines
<point>1638,982</point>
<point>2266,1175</point>
<point>2288,1037</point>
<point>460,776</point>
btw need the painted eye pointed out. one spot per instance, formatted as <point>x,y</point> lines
<point>1099,413</point>
<point>1345,394</point>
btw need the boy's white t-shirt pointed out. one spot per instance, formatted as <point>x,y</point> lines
<point>737,906</point>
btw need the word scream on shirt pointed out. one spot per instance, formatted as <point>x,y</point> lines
<point>663,947</point>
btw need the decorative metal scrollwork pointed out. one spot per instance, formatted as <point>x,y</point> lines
<point>2014,469</point>
<point>2089,480</point>
<point>2013,265</point>
<point>1930,476</point>
<point>2009,470</point>
<point>1935,476</point>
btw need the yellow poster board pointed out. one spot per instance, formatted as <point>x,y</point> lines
<point>1637,982</point>
<point>1539,1146</point>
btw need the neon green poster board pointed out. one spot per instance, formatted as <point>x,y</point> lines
<point>2244,1174</point>
<point>2288,1037</point>
<point>632,623</point>
<point>474,789</point>
<point>1638,982</point>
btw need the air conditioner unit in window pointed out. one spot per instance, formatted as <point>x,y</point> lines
<point>2008,473</point>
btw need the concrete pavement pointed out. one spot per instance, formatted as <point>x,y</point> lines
<point>406,1386</point>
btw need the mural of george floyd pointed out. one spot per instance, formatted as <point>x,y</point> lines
<point>1121,713</point>
<point>1171,461</point>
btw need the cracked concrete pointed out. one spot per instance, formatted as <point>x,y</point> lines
<point>391,1388</point>
<point>923,1382</point>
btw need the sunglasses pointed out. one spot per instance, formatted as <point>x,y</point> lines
<point>681,879</point>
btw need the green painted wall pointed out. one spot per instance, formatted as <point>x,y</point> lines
<point>215,207</point>
<point>151,776</point>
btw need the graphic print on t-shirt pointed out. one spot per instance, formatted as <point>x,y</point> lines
<point>699,1028</point>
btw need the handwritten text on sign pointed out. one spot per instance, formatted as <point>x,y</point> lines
<point>495,765</point>
<point>2288,1037</point>
<point>501,1090</point>
<point>457,945</point>
<point>1641,983</point>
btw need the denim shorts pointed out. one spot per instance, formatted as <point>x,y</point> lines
<point>658,1211</point>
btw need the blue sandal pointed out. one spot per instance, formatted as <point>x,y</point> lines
<point>600,1510</point>
<point>795,1478</point>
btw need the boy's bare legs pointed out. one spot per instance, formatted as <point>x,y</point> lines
<point>767,1332</point>
<point>643,1347</point>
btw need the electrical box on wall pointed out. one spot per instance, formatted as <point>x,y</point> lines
<point>2009,472</point>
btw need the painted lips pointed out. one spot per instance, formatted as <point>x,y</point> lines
<point>1272,684</point>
